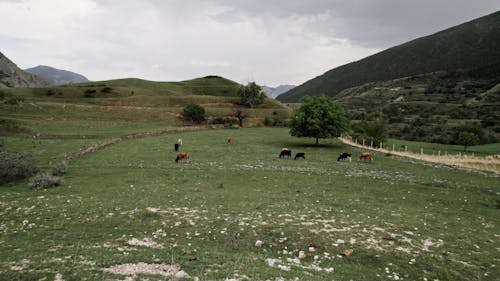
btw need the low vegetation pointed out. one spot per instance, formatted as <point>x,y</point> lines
<point>128,210</point>
<point>416,109</point>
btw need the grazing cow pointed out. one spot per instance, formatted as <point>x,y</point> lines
<point>229,140</point>
<point>179,141</point>
<point>176,147</point>
<point>344,155</point>
<point>366,155</point>
<point>300,155</point>
<point>182,156</point>
<point>285,153</point>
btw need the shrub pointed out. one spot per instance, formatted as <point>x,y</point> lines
<point>9,127</point>
<point>194,113</point>
<point>89,93</point>
<point>14,166</point>
<point>45,180</point>
<point>14,100</point>
<point>218,120</point>
<point>107,90</point>
<point>59,169</point>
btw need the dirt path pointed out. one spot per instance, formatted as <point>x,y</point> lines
<point>115,140</point>
<point>488,164</point>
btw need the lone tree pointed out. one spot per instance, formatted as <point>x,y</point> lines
<point>194,113</point>
<point>251,94</point>
<point>467,139</point>
<point>241,115</point>
<point>318,117</point>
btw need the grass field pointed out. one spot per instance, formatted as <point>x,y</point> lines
<point>130,209</point>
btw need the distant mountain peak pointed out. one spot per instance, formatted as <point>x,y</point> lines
<point>57,76</point>
<point>11,76</point>
<point>274,92</point>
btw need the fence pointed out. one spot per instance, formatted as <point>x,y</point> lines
<point>488,163</point>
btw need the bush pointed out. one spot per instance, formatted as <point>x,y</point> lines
<point>15,166</point>
<point>194,113</point>
<point>59,169</point>
<point>10,127</point>
<point>218,120</point>
<point>107,90</point>
<point>45,180</point>
<point>89,93</point>
<point>14,100</point>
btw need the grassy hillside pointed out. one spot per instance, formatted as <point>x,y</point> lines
<point>130,206</point>
<point>132,100</point>
<point>470,45</point>
<point>431,107</point>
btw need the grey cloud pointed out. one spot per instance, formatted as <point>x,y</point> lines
<point>373,24</point>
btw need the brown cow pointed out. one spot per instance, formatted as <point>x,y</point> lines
<point>229,140</point>
<point>366,155</point>
<point>182,156</point>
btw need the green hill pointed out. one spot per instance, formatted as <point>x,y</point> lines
<point>470,45</point>
<point>135,100</point>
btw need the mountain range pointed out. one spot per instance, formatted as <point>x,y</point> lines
<point>11,76</point>
<point>57,76</point>
<point>471,45</point>
<point>274,92</point>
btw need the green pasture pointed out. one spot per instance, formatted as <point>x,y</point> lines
<point>401,219</point>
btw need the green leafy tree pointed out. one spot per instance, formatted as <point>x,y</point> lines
<point>318,117</point>
<point>375,130</point>
<point>467,139</point>
<point>194,113</point>
<point>251,94</point>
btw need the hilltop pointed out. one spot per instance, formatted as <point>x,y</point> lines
<point>57,76</point>
<point>467,46</point>
<point>138,100</point>
<point>11,76</point>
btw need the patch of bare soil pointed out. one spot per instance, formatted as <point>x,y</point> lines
<point>148,269</point>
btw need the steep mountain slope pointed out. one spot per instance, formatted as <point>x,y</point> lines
<point>432,107</point>
<point>469,45</point>
<point>12,76</point>
<point>57,76</point>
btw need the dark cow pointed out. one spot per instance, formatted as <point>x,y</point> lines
<point>285,153</point>
<point>300,155</point>
<point>344,155</point>
<point>366,156</point>
<point>182,156</point>
<point>176,147</point>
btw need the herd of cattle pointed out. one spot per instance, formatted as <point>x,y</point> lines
<point>285,153</point>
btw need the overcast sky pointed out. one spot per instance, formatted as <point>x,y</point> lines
<point>271,42</point>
